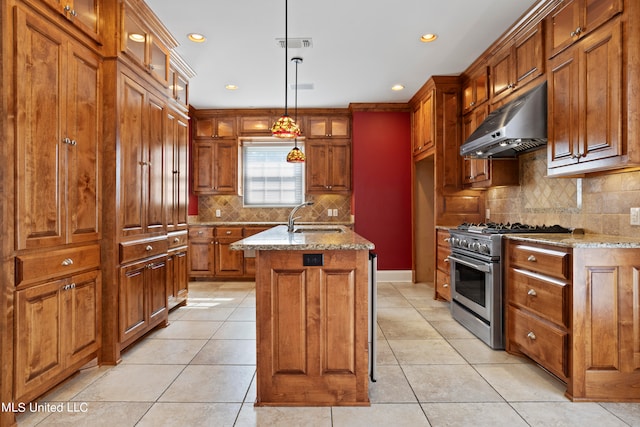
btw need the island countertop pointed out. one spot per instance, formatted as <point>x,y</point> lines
<point>316,237</point>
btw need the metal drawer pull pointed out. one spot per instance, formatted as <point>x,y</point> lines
<point>228,232</point>
<point>532,258</point>
<point>532,292</point>
<point>445,285</point>
<point>200,233</point>
<point>446,259</point>
<point>148,248</point>
<point>69,286</point>
<point>67,262</point>
<point>176,240</point>
<point>531,336</point>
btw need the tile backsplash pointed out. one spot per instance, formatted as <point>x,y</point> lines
<point>232,210</point>
<point>597,204</point>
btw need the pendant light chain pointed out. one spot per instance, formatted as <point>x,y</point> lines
<point>286,52</point>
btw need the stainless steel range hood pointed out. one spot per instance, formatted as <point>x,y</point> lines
<point>516,127</point>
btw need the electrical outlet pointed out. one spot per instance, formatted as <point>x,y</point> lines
<point>635,216</point>
<point>487,213</point>
<point>218,213</point>
<point>329,212</point>
<point>335,212</point>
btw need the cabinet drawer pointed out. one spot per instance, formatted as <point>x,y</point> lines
<point>443,287</point>
<point>140,249</point>
<point>442,238</point>
<point>442,260</point>
<point>201,232</point>
<point>178,239</point>
<point>542,342</point>
<point>546,298</point>
<point>544,260</point>
<point>229,232</point>
<point>35,267</point>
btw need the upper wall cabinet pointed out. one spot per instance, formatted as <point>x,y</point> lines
<point>424,124</point>
<point>475,89</point>
<point>518,63</point>
<point>216,127</point>
<point>83,13</point>
<point>574,19</point>
<point>328,127</point>
<point>141,45</point>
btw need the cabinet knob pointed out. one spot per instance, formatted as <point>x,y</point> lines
<point>532,258</point>
<point>576,32</point>
<point>200,233</point>
<point>531,336</point>
<point>67,262</point>
<point>148,248</point>
<point>446,259</point>
<point>445,285</point>
<point>532,292</point>
<point>228,232</point>
<point>176,240</point>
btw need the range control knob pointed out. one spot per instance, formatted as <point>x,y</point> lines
<point>483,248</point>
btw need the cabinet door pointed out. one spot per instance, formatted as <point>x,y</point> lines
<point>84,129</point>
<point>203,167</point>
<point>226,170</point>
<point>180,275</point>
<point>159,61</point>
<point>135,37</point>
<point>181,162</point>
<point>201,258</point>
<point>133,159</point>
<point>82,316</point>
<point>563,23</point>
<point>153,166</point>
<point>316,166</point>
<point>38,330</point>
<point>328,127</point>
<point>215,127</point>
<point>156,283</point>
<point>41,65</point>
<point>501,74</point>
<point>132,301</point>
<point>428,121</point>
<point>228,262</point>
<point>528,56</point>
<point>340,167</point>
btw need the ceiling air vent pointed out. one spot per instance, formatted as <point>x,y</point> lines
<point>297,43</point>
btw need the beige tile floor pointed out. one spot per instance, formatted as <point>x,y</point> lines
<point>199,371</point>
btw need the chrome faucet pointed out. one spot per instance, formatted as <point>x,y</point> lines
<point>292,219</point>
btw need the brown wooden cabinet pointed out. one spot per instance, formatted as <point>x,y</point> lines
<point>585,104</point>
<point>255,125</point>
<point>517,64</point>
<point>328,166</point>
<point>59,129</point>
<point>143,298</point>
<point>223,127</point>
<point>311,329</point>
<point>143,46</point>
<point>328,127</point>
<point>574,19</point>
<point>215,167</point>
<point>201,251</point>
<point>443,270</point>
<point>57,331</point>
<point>176,171</point>
<point>538,295</point>
<point>475,88</point>
<point>142,131</point>
<point>424,124</point>
<point>228,262</point>
<point>177,269</point>
<point>84,14</point>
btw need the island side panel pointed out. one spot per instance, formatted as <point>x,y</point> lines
<point>312,329</point>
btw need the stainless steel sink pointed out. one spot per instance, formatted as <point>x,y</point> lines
<point>318,230</point>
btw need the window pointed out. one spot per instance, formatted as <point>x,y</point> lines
<point>267,179</point>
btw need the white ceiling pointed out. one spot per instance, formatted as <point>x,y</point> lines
<point>360,47</point>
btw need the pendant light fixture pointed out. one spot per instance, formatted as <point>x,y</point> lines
<point>296,155</point>
<point>285,126</point>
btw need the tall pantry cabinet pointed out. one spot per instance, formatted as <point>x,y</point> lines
<point>145,156</point>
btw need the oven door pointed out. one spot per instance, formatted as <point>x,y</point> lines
<point>473,283</point>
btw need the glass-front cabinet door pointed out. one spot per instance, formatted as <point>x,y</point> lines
<point>83,13</point>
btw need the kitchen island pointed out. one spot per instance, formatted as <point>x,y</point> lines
<point>311,315</point>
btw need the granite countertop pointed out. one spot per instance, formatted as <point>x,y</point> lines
<point>578,240</point>
<point>262,223</point>
<point>279,239</point>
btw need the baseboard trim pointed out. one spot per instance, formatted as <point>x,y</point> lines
<point>395,276</point>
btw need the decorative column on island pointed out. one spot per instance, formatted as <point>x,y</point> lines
<point>311,315</point>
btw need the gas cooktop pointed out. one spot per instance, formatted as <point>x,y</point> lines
<point>516,227</point>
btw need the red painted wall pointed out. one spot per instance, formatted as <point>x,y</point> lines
<point>381,200</point>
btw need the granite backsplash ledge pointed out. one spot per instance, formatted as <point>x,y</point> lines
<point>232,209</point>
<point>599,204</point>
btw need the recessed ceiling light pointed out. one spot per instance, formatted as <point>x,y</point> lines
<point>197,38</point>
<point>231,87</point>
<point>136,37</point>
<point>429,37</point>
<point>397,87</point>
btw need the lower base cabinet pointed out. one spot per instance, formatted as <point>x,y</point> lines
<point>177,277</point>
<point>56,331</point>
<point>143,298</point>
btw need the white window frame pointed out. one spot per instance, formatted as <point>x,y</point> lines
<point>268,142</point>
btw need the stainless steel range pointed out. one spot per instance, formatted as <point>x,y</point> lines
<point>476,276</point>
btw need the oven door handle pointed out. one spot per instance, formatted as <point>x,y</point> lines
<point>485,268</point>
